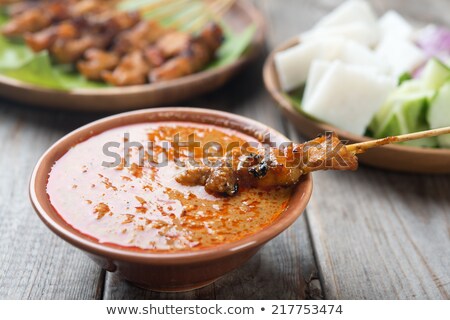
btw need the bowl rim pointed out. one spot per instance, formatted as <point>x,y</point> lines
<point>297,203</point>
<point>251,52</point>
<point>272,86</point>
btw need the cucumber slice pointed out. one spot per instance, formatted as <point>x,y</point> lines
<point>439,114</point>
<point>403,116</point>
<point>408,92</point>
<point>435,74</point>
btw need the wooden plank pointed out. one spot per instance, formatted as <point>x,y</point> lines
<point>378,234</point>
<point>34,263</point>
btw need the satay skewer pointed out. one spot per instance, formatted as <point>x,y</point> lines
<point>254,169</point>
<point>362,147</point>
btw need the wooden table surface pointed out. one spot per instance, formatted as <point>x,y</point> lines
<point>369,234</point>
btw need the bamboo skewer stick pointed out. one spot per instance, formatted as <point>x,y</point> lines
<point>188,15</point>
<point>364,146</point>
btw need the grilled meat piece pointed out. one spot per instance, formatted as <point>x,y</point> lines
<point>270,167</point>
<point>30,21</point>
<point>200,51</point>
<point>132,70</point>
<point>173,43</point>
<point>154,56</point>
<point>46,38</point>
<point>139,37</point>
<point>35,18</point>
<point>96,63</point>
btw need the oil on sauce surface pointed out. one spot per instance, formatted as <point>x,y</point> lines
<point>141,206</point>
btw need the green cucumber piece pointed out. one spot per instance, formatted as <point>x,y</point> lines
<point>439,114</point>
<point>435,74</point>
<point>402,117</point>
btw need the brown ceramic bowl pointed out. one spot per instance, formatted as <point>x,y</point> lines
<point>240,16</point>
<point>393,157</point>
<point>163,271</point>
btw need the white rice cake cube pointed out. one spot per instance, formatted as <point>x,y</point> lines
<point>402,55</point>
<point>349,96</point>
<point>393,24</point>
<point>352,10</point>
<point>293,64</point>
<point>361,32</point>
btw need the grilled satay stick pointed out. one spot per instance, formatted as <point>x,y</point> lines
<point>197,54</point>
<point>285,167</point>
<point>34,16</point>
<point>44,39</point>
<point>270,167</point>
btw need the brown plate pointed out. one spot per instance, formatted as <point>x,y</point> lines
<point>239,17</point>
<point>393,157</point>
<point>176,271</point>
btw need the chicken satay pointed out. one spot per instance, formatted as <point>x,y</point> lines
<point>154,56</point>
<point>139,37</point>
<point>195,57</point>
<point>36,16</point>
<point>169,45</point>
<point>118,21</point>
<point>96,63</point>
<point>92,33</point>
<point>30,21</point>
<point>173,43</point>
<point>132,70</point>
<point>212,36</point>
<point>35,19</point>
<point>86,7</point>
<point>190,61</point>
<point>16,8</point>
<point>267,168</point>
<point>71,50</point>
<point>108,21</point>
<point>45,39</point>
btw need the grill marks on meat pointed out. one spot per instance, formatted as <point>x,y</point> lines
<point>109,45</point>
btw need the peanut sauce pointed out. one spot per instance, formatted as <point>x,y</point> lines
<point>141,206</point>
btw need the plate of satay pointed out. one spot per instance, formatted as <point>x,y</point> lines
<point>367,76</point>
<point>94,55</point>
